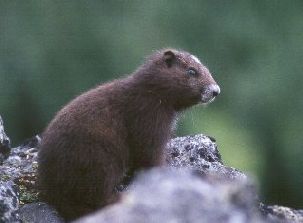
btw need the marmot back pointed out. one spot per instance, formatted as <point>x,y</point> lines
<point>115,128</point>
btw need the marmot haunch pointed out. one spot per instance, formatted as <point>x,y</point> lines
<point>116,127</point>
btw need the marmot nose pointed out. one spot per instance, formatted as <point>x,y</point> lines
<point>215,89</point>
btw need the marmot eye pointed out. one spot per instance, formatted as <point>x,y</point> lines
<point>191,72</point>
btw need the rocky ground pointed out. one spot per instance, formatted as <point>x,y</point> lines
<point>194,187</point>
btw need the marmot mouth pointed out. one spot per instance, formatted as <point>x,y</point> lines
<point>206,99</point>
<point>209,93</point>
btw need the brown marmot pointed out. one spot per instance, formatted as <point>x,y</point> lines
<point>116,127</point>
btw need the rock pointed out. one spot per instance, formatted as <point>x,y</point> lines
<point>182,195</point>
<point>4,143</point>
<point>282,214</point>
<point>20,168</point>
<point>39,213</point>
<point>200,153</point>
<point>207,191</point>
<point>9,202</point>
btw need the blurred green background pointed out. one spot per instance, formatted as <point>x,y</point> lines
<point>51,51</point>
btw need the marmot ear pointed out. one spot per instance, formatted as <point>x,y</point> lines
<point>169,57</point>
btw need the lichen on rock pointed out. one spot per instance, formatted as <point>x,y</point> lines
<point>9,202</point>
<point>200,153</point>
<point>20,168</point>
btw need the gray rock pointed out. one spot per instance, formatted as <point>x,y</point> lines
<point>182,195</point>
<point>9,202</point>
<point>22,160</point>
<point>4,143</point>
<point>39,213</point>
<point>17,180</point>
<point>282,214</point>
<point>20,168</point>
<point>200,153</point>
<point>207,191</point>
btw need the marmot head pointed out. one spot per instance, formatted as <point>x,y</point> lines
<point>179,78</point>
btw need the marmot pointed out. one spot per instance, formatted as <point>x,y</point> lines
<point>116,127</point>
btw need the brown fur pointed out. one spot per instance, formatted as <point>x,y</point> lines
<point>116,127</point>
